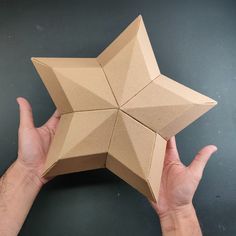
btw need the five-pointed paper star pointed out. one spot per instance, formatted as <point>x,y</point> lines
<point>117,110</point>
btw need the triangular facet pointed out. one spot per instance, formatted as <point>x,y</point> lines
<point>85,136</point>
<point>189,116</point>
<point>117,71</point>
<point>129,62</point>
<point>132,144</point>
<point>134,180</point>
<point>86,88</point>
<point>55,150</point>
<point>156,167</point>
<point>76,85</point>
<point>92,133</point>
<point>53,86</point>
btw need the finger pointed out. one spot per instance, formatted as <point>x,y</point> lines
<point>26,116</point>
<point>171,144</point>
<point>198,164</point>
<point>171,150</point>
<point>53,120</point>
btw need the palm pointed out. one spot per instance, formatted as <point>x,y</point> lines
<point>177,187</point>
<point>34,142</point>
<point>179,183</point>
<point>33,145</point>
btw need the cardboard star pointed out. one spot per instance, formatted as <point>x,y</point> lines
<point>117,111</point>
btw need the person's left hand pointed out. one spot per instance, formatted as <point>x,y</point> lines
<point>33,142</point>
<point>179,182</point>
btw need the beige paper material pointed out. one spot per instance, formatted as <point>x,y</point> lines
<point>118,111</point>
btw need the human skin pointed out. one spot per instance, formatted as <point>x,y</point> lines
<point>23,180</point>
<point>178,185</point>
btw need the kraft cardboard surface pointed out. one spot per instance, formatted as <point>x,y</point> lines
<point>134,153</point>
<point>129,62</point>
<point>75,84</point>
<point>118,111</point>
<point>172,104</point>
<point>132,144</point>
<point>81,135</point>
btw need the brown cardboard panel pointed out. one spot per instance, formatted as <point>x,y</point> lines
<point>121,170</point>
<point>129,62</point>
<point>62,62</point>
<point>181,90</point>
<point>83,134</point>
<point>86,88</point>
<point>55,149</point>
<point>149,184</point>
<point>184,120</point>
<point>77,164</point>
<point>84,83</point>
<point>155,106</point>
<point>167,107</point>
<point>89,133</point>
<point>156,167</point>
<point>53,86</point>
<point>120,42</point>
<point>132,144</point>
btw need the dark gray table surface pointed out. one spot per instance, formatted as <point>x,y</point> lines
<point>195,44</point>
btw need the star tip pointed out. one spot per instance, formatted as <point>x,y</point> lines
<point>33,59</point>
<point>139,18</point>
<point>214,103</point>
<point>211,103</point>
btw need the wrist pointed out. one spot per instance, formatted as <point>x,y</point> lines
<point>180,220</point>
<point>178,211</point>
<point>18,188</point>
<point>28,175</point>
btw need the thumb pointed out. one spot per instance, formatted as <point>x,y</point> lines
<point>198,164</point>
<point>26,116</point>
